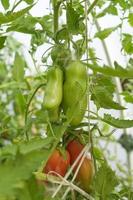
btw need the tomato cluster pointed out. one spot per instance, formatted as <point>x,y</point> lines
<point>58,164</point>
<point>66,91</point>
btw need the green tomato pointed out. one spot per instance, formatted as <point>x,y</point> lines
<point>75,91</point>
<point>53,92</point>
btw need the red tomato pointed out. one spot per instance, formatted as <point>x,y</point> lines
<point>74,148</point>
<point>85,173</point>
<point>57,163</point>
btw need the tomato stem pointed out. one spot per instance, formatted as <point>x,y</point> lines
<point>27,109</point>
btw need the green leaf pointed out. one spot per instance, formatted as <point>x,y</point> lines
<point>18,68</point>
<point>111,9</point>
<point>2,41</point>
<point>128,96</point>
<point>24,24</point>
<point>14,171</point>
<point>35,144</point>
<point>130,19</point>
<point>29,1</point>
<point>105,33</point>
<point>127,142</point>
<point>102,93</point>
<point>127,43</point>
<point>74,22</point>
<point>102,98</point>
<point>13,85</point>
<point>3,71</point>
<point>117,72</point>
<point>13,16</point>
<point>30,190</point>
<point>105,182</point>
<point>20,103</point>
<point>47,23</point>
<point>118,123</point>
<point>26,147</point>
<point>5,4</point>
<point>62,34</point>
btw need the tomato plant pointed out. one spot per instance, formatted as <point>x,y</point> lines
<point>66,71</point>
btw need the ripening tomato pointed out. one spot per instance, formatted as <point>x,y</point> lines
<point>57,163</point>
<point>74,148</point>
<point>85,173</point>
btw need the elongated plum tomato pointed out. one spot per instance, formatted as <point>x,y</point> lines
<point>85,173</point>
<point>57,163</point>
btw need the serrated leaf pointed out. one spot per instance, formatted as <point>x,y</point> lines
<point>18,170</point>
<point>18,68</point>
<point>5,4</point>
<point>118,123</point>
<point>102,93</point>
<point>28,157</point>
<point>130,19</point>
<point>13,16</point>
<point>111,9</point>
<point>24,24</point>
<point>46,23</point>
<point>35,144</point>
<point>105,182</point>
<point>118,72</point>
<point>26,147</point>
<point>2,41</point>
<point>105,33</point>
<point>75,25</point>
<point>127,43</point>
<point>102,98</point>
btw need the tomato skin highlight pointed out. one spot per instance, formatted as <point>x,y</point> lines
<point>57,163</point>
<point>86,171</point>
<point>75,91</point>
<point>53,92</point>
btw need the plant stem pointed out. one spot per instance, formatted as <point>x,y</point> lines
<point>129,171</point>
<point>92,6</point>
<point>56,7</point>
<point>16,5</point>
<point>27,108</point>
